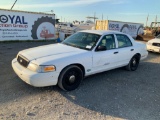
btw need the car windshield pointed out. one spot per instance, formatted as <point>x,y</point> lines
<point>82,40</point>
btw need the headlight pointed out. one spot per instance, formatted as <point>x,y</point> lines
<point>33,67</point>
<point>41,69</point>
<point>149,43</point>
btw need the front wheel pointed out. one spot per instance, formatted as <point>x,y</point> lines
<point>133,64</point>
<point>70,78</point>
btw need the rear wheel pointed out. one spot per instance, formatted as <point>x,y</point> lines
<point>70,78</point>
<point>133,64</point>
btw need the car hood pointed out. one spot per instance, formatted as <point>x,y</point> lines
<point>50,50</point>
<point>156,40</point>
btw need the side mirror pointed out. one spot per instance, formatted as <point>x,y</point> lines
<point>101,48</point>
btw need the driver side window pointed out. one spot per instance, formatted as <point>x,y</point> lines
<point>108,41</point>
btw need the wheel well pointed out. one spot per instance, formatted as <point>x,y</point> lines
<point>81,67</point>
<point>77,64</point>
<point>139,55</point>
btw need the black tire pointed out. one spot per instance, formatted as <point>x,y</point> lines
<point>133,64</point>
<point>38,22</point>
<point>70,78</point>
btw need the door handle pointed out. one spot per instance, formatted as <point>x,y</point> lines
<point>116,52</point>
<point>132,49</point>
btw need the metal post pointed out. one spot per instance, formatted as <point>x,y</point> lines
<point>94,17</point>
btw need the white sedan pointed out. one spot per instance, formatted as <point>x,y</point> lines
<point>154,44</point>
<point>82,54</point>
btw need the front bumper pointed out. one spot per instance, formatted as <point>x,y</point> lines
<point>153,48</point>
<point>34,78</point>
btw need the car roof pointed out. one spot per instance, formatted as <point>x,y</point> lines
<point>101,32</point>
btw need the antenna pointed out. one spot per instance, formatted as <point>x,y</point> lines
<point>13,4</point>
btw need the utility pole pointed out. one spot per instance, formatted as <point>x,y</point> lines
<point>147,20</point>
<point>94,17</point>
<point>155,22</point>
<point>13,4</point>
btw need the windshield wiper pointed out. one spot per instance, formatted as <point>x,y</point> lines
<point>79,47</point>
<point>73,45</point>
<point>67,44</point>
<point>76,46</point>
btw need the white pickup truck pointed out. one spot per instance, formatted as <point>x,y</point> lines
<point>82,54</point>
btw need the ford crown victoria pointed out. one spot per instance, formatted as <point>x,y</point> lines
<point>83,53</point>
<point>154,45</point>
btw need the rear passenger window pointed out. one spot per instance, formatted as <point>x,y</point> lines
<point>123,41</point>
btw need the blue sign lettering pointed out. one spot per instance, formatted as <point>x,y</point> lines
<point>18,20</point>
<point>23,20</point>
<point>13,19</point>
<point>113,26</point>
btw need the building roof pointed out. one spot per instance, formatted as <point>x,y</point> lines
<point>26,11</point>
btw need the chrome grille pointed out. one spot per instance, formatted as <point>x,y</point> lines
<point>22,61</point>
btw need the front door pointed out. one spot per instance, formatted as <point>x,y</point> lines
<point>105,55</point>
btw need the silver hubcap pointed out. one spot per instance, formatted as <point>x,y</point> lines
<point>72,79</point>
<point>134,62</point>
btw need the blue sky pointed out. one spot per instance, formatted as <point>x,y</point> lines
<point>119,10</point>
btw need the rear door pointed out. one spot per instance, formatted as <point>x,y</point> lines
<point>125,49</point>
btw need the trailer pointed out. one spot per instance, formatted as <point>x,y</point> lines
<point>23,25</point>
<point>132,29</point>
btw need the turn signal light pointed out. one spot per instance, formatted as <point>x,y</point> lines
<point>49,68</point>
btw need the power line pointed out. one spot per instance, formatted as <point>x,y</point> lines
<point>13,4</point>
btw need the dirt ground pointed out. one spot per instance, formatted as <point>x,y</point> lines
<point>113,95</point>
